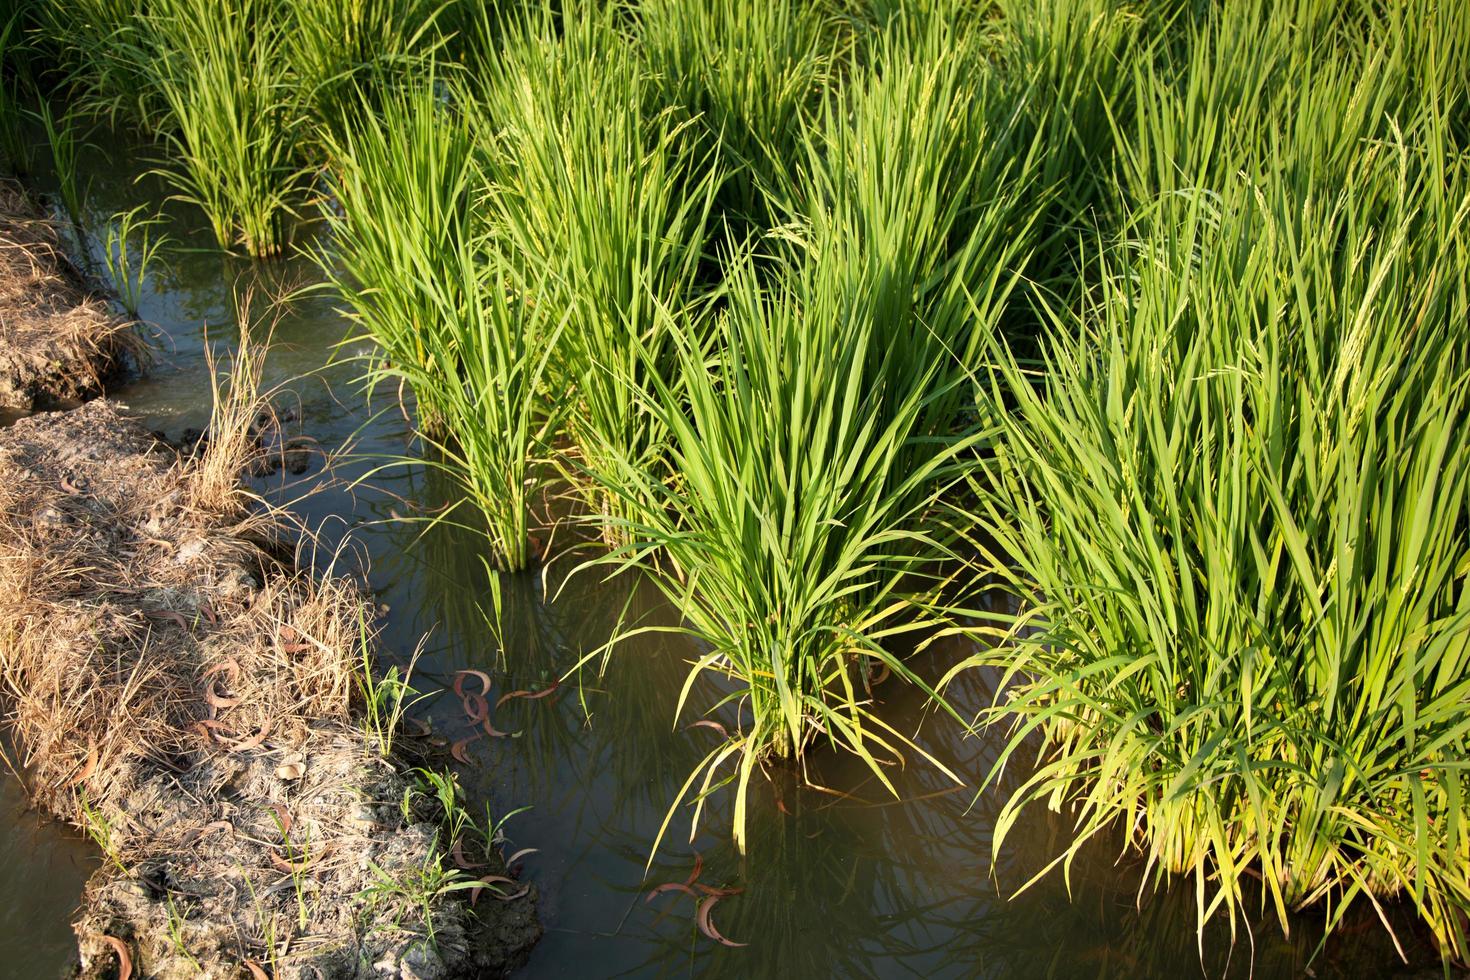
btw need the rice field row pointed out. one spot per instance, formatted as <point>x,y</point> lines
<point>838,319</point>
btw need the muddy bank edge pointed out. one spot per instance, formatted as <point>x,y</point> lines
<point>181,692</point>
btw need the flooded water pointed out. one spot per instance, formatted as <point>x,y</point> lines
<point>45,866</point>
<point>844,881</point>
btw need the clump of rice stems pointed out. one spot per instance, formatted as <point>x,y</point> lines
<point>1235,505</point>
<point>604,213</point>
<point>1077,59</point>
<point>912,20</point>
<point>93,50</point>
<point>335,47</point>
<point>793,539</point>
<point>66,144</point>
<point>944,226</point>
<point>131,249</point>
<point>469,335</point>
<point>404,226</point>
<point>813,436</point>
<point>747,73</point>
<point>219,70</point>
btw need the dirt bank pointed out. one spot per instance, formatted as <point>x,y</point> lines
<point>59,341</point>
<point>197,706</point>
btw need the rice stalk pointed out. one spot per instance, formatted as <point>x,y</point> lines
<point>232,115</point>
<point>815,432</point>
<point>604,212</point>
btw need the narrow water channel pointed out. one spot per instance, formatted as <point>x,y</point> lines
<point>842,881</point>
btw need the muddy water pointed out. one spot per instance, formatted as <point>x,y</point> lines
<point>44,867</point>
<point>844,881</point>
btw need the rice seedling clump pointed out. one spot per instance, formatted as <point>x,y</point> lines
<point>1232,498</point>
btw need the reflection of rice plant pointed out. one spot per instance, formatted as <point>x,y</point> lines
<point>131,249</point>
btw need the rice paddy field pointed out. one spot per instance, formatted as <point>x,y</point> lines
<point>937,488</point>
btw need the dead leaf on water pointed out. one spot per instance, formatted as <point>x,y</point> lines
<point>669,886</point>
<point>707,927</point>
<point>459,678</point>
<point>528,695</point>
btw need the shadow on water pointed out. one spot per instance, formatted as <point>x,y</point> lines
<point>846,882</point>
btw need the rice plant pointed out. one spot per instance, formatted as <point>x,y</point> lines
<point>732,272</point>
<point>1078,59</point>
<point>94,51</point>
<point>66,144</point>
<point>607,210</point>
<point>14,82</point>
<point>415,266</point>
<point>815,432</point>
<point>218,67</point>
<point>131,249</point>
<point>1234,502</point>
<point>746,73</point>
<point>335,47</point>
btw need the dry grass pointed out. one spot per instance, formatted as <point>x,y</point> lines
<point>172,686</point>
<point>234,422</point>
<point>59,340</point>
